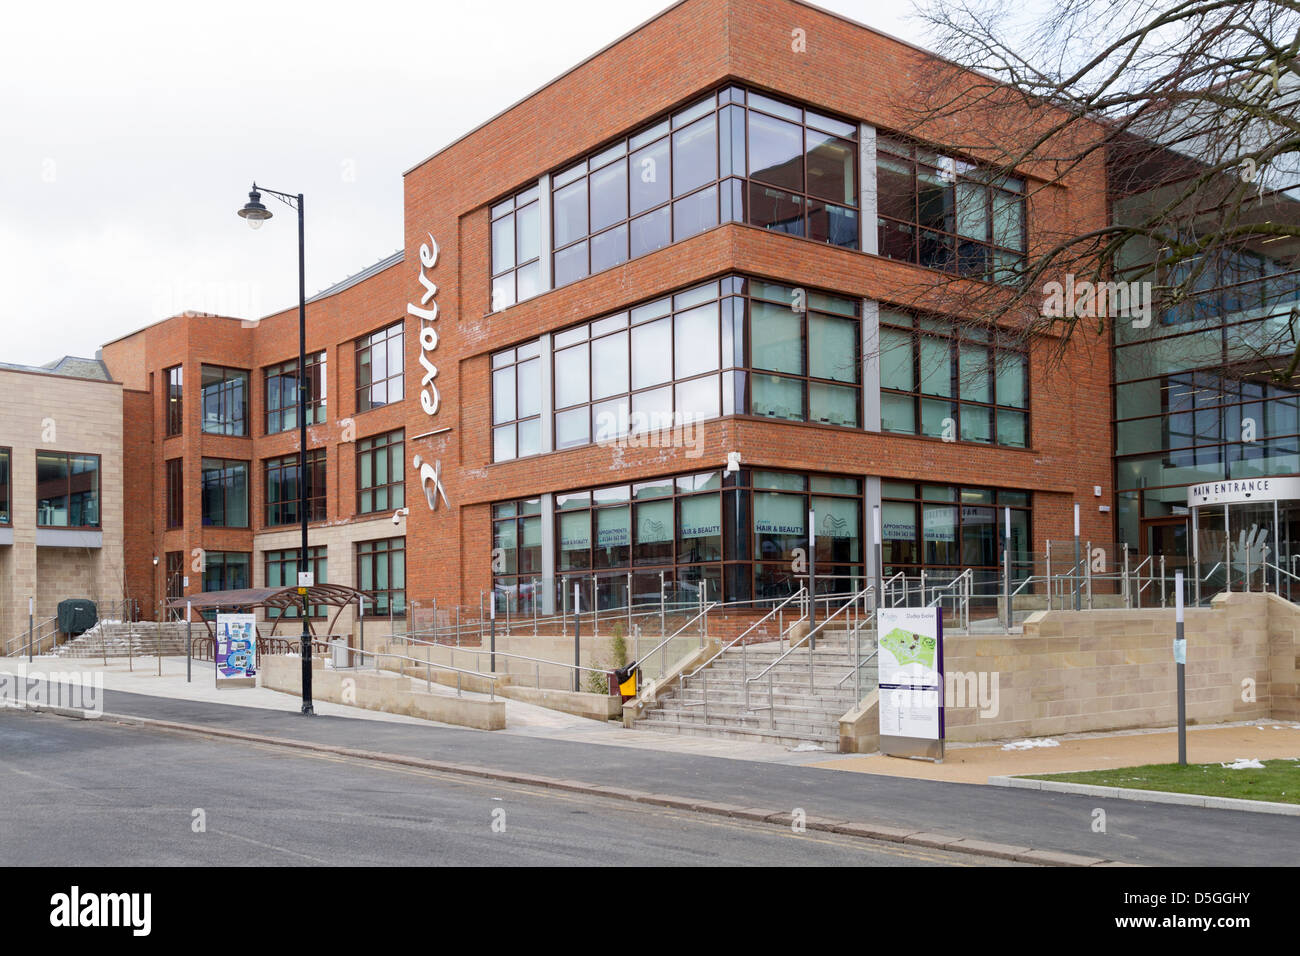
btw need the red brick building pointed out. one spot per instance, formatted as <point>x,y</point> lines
<point>692,246</point>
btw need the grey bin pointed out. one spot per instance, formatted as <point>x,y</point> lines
<point>340,648</point>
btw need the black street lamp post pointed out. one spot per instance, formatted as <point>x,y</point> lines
<point>254,213</point>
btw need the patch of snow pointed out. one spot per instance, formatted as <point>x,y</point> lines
<point>1030,744</point>
<point>1243,763</point>
<point>806,748</point>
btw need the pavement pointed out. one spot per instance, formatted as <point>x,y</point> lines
<point>1261,740</point>
<point>1135,832</point>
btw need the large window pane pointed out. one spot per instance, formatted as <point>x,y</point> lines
<point>831,173</point>
<point>695,156</point>
<point>609,365</point>
<point>775,209</point>
<point>696,341</point>
<point>570,213</point>
<point>776,338</point>
<point>571,376</point>
<point>649,174</point>
<point>777,397</point>
<point>833,348</point>
<point>650,232</point>
<point>775,152</point>
<point>699,532</point>
<point>832,404</point>
<point>609,195</point>
<point>695,213</point>
<point>652,353</point>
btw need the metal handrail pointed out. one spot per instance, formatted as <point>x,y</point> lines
<point>858,666</point>
<point>20,641</point>
<point>478,652</point>
<point>428,665</point>
<point>788,598</point>
<point>965,579</point>
<point>808,639</point>
<point>704,612</point>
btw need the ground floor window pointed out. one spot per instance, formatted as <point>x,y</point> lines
<point>381,573</point>
<point>226,570</point>
<point>678,539</point>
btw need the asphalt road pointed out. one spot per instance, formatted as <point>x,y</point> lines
<point>85,793</point>
<point>1135,832</point>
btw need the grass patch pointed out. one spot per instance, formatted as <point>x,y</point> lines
<point>1278,781</point>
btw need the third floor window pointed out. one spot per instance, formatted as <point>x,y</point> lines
<point>734,156</point>
<point>282,393</point>
<point>948,214</point>
<point>380,368</point>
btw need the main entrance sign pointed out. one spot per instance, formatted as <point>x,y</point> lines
<point>1237,491</point>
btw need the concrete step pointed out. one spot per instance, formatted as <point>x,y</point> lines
<point>830,742</point>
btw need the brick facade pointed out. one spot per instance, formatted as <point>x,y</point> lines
<point>692,47</point>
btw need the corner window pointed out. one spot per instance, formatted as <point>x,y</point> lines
<point>67,490</point>
<point>224,398</point>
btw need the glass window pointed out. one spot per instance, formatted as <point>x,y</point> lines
<point>381,485</point>
<point>970,383</point>
<point>175,493</point>
<point>516,402</point>
<point>226,570</point>
<point>224,487</point>
<point>67,490</point>
<point>516,248</point>
<point>224,400</point>
<point>381,573</point>
<point>281,571</point>
<point>175,400</point>
<point>967,225</point>
<point>380,368</point>
<point>661,186</point>
<point>281,383</point>
<point>284,494</point>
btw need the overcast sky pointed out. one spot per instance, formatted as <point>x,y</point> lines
<point>130,132</point>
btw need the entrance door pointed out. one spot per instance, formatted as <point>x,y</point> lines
<point>1167,538</point>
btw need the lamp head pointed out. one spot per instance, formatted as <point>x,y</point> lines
<point>254,213</point>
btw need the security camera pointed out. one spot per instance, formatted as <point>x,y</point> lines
<point>733,462</point>
<point>399,514</point>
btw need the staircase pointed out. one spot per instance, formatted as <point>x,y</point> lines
<point>713,702</point>
<point>130,639</point>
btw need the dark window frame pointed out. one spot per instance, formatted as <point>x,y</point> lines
<point>175,491</point>
<point>225,394</point>
<point>224,464</point>
<point>919,333</point>
<point>915,157</point>
<point>174,399</point>
<point>375,551</point>
<point>7,486</point>
<point>68,494</point>
<point>366,344</point>
<point>284,511</point>
<point>391,444</point>
<point>317,376</point>
<point>282,558</point>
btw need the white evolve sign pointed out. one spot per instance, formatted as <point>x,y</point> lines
<point>427,312</point>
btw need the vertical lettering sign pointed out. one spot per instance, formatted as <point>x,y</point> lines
<point>430,473</point>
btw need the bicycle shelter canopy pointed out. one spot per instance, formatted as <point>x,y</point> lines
<point>280,599</point>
